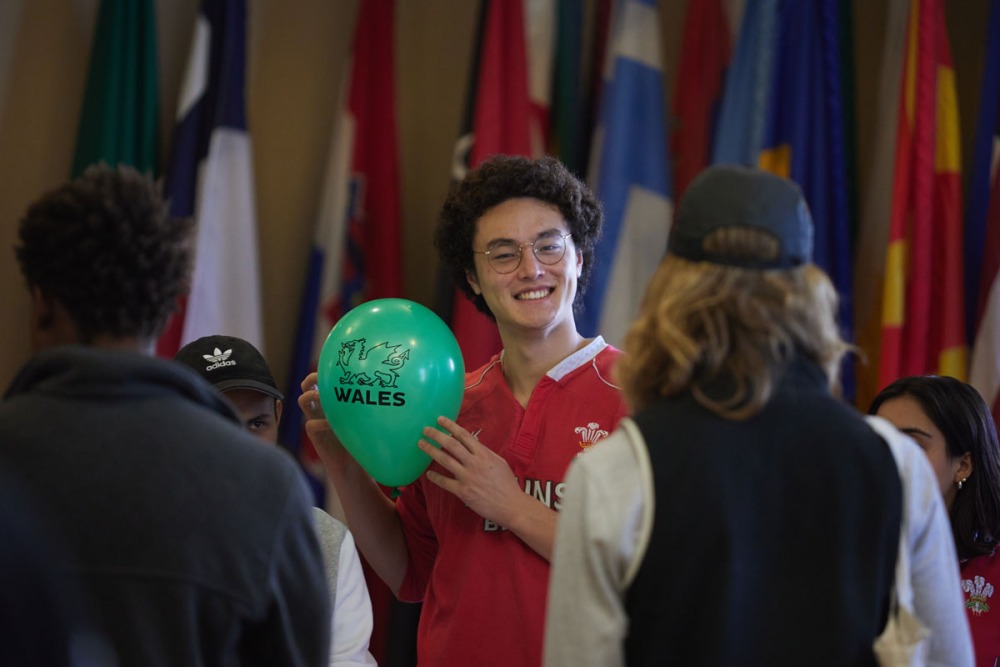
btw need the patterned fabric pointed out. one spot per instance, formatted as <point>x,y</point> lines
<point>484,590</point>
<point>980,578</point>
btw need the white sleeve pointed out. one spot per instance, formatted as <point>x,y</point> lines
<point>602,528</point>
<point>934,571</point>
<point>352,610</point>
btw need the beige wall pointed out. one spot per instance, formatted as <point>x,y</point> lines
<point>297,51</point>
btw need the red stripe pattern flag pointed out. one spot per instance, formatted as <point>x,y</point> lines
<point>922,314</point>
<point>706,49</point>
<point>356,254</point>
<point>498,120</point>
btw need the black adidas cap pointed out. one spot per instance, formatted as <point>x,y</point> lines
<point>229,363</point>
<point>731,195</point>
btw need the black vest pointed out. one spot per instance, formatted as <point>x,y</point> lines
<point>774,538</point>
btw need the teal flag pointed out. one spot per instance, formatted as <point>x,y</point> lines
<point>118,121</point>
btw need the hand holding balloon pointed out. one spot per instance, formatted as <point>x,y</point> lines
<point>389,368</point>
<point>317,427</point>
<point>480,477</point>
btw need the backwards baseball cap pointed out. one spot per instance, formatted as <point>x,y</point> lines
<point>735,196</point>
<point>229,363</point>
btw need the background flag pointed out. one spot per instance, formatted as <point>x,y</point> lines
<point>118,121</point>
<point>356,253</point>
<point>629,172</point>
<point>498,120</point>
<point>923,306</point>
<point>977,200</point>
<point>706,48</point>
<point>983,226</point>
<point>804,137</point>
<point>540,24</point>
<point>356,257</point>
<point>580,45</point>
<point>739,134</point>
<point>873,230</point>
<point>210,177</point>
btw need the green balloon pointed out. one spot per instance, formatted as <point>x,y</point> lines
<point>389,368</point>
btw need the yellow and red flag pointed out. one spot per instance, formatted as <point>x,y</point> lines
<point>922,310</point>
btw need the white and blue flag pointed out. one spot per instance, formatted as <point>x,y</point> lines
<point>210,178</point>
<point>630,172</point>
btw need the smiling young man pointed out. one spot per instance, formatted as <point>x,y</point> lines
<point>473,537</point>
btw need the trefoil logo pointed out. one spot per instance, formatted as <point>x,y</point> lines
<point>218,359</point>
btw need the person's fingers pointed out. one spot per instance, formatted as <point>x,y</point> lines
<point>310,381</point>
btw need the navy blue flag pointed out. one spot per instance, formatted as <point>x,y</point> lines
<point>804,138</point>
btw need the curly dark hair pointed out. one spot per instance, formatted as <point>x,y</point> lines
<point>964,420</point>
<point>503,177</point>
<point>105,248</point>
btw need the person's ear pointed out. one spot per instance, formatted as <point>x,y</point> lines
<point>277,411</point>
<point>473,282</point>
<point>43,316</point>
<point>965,467</point>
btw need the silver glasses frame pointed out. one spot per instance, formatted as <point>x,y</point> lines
<point>520,252</point>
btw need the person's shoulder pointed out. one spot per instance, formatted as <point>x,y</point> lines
<point>607,358</point>
<point>984,564</point>
<point>620,449</point>
<point>484,378</point>
<point>911,463</point>
<point>905,451</point>
<point>328,527</point>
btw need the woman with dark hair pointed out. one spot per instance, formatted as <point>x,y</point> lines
<point>953,425</point>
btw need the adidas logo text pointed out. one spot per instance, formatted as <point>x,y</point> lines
<point>220,364</point>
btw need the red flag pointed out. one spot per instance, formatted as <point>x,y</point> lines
<point>356,253</point>
<point>922,315</point>
<point>873,229</point>
<point>706,49</point>
<point>500,122</point>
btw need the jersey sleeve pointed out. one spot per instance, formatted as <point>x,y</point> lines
<point>421,541</point>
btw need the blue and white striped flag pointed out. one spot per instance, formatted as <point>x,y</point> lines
<point>630,172</point>
<point>210,177</point>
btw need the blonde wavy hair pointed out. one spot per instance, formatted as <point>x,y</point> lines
<point>700,322</point>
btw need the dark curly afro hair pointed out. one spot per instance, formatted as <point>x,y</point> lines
<point>503,177</point>
<point>105,248</point>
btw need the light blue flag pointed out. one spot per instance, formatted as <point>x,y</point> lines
<point>739,134</point>
<point>630,172</point>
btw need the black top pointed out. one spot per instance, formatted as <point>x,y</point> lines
<point>774,538</point>
<point>193,540</point>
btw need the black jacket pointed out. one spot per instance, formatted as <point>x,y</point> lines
<point>774,538</point>
<point>193,540</point>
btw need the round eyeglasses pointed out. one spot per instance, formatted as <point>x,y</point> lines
<point>505,257</point>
